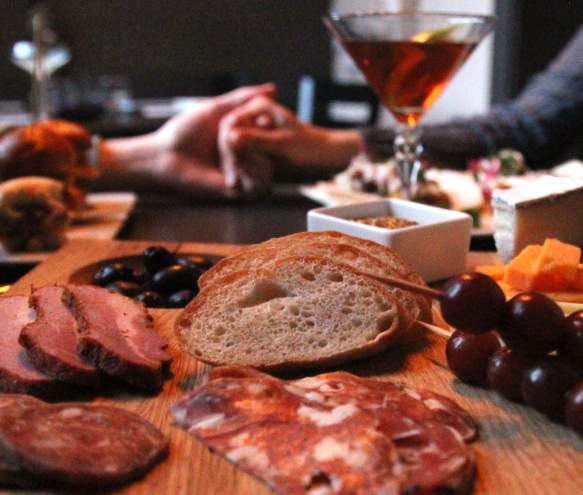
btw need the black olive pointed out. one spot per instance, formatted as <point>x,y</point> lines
<point>151,299</point>
<point>174,278</point>
<point>181,298</point>
<point>129,289</point>
<point>112,273</point>
<point>197,260</point>
<point>158,257</point>
<point>142,277</point>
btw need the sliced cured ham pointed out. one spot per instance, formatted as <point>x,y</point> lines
<point>51,341</point>
<point>116,334</point>
<point>333,433</point>
<point>17,374</point>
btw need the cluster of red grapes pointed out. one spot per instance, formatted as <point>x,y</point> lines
<point>541,362</point>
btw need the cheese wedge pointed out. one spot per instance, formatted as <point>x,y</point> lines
<point>546,207</point>
<point>556,266</point>
<point>521,271</point>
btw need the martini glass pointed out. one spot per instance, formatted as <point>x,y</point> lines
<point>408,59</point>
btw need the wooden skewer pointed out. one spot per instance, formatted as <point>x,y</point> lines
<point>404,284</point>
<point>418,289</point>
<point>441,332</point>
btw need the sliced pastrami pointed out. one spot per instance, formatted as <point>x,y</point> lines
<point>51,341</point>
<point>17,374</point>
<point>117,335</point>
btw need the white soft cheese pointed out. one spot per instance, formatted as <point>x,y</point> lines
<point>546,207</point>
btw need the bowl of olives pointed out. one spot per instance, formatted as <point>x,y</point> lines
<point>158,278</point>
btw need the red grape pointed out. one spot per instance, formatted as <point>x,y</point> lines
<point>472,302</point>
<point>533,323</point>
<point>574,408</point>
<point>505,370</point>
<point>545,385</point>
<point>468,354</point>
<point>573,348</point>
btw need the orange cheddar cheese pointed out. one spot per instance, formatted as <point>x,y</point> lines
<point>509,292</point>
<point>556,266</point>
<point>493,271</point>
<point>521,271</point>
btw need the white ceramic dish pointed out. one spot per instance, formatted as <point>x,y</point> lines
<point>437,248</point>
<point>331,194</point>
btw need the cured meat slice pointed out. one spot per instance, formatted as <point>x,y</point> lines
<point>333,433</point>
<point>12,406</point>
<point>51,340</point>
<point>116,334</point>
<point>17,374</point>
<point>81,444</point>
<point>420,405</point>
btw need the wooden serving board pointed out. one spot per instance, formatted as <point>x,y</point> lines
<point>519,451</point>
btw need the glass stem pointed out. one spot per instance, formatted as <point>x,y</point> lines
<point>408,149</point>
<point>40,93</point>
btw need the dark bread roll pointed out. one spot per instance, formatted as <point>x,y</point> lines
<point>35,150</point>
<point>53,148</point>
<point>33,214</point>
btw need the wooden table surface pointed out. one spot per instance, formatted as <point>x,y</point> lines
<point>519,451</point>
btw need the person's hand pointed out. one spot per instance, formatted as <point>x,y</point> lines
<point>262,131</point>
<point>188,157</point>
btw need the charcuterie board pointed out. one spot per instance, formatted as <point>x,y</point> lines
<point>519,451</point>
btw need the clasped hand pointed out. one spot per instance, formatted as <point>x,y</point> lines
<point>229,145</point>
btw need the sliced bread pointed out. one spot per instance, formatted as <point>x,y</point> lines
<point>264,257</point>
<point>301,312</point>
<point>397,264</point>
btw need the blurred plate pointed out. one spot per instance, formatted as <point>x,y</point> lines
<point>103,219</point>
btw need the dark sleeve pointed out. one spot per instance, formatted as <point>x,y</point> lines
<point>541,122</point>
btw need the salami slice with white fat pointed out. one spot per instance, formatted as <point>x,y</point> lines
<point>80,444</point>
<point>333,433</point>
<point>12,406</point>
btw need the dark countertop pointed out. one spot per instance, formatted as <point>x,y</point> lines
<point>167,218</point>
<point>228,222</point>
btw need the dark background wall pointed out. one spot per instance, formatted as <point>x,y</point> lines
<point>189,47</point>
<point>178,47</point>
<point>529,34</point>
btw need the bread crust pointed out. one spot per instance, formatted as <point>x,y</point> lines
<point>392,258</point>
<point>392,263</point>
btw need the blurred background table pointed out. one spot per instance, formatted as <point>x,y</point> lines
<point>164,218</point>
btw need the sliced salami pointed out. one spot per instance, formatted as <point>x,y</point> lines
<point>333,433</point>
<point>12,406</point>
<point>422,406</point>
<point>81,444</point>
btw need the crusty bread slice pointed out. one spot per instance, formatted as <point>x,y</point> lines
<point>302,312</point>
<point>397,264</point>
<point>252,259</point>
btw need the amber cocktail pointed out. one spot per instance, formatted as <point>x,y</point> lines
<point>408,60</point>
